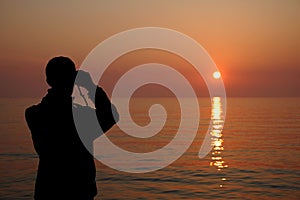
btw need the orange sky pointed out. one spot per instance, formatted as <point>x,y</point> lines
<point>255,43</point>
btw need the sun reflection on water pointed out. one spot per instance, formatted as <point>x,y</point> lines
<point>217,160</point>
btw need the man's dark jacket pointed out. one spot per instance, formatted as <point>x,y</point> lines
<point>66,169</point>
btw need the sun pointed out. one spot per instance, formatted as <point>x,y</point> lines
<point>216,75</point>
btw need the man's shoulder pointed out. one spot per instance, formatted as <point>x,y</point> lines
<point>32,110</point>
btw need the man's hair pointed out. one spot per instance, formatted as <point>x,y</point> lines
<point>60,71</point>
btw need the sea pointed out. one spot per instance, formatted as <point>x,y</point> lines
<point>255,152</point>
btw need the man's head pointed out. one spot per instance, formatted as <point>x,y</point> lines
<point>61,73</point>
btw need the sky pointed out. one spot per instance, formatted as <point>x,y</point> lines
<point>254,43</point>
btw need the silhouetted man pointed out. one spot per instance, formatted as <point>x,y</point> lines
<point>66,169</point>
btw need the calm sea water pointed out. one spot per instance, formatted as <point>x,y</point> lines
<point>260,154</point>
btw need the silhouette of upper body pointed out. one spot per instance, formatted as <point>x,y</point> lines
<point>66,168</point>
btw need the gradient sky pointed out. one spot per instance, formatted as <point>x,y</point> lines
<point>255,44</point>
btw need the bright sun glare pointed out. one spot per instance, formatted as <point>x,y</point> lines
<point>217,75</point>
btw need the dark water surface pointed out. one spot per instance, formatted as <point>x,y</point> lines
<point>260,155</point>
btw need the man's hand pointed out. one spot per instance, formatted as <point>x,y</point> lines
<point>84,79</point>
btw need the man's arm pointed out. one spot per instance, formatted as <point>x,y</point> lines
<point>106,112</point>
<point>33,127</point>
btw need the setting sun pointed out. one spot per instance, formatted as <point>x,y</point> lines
<point>217,75</point>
